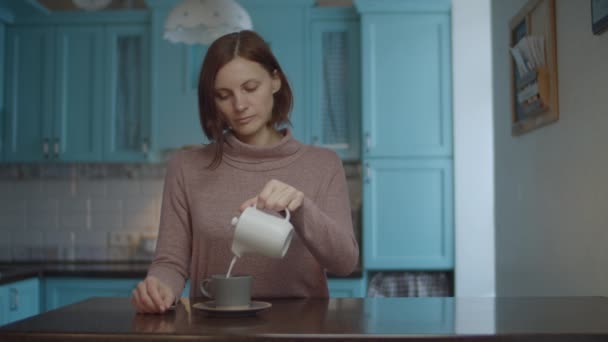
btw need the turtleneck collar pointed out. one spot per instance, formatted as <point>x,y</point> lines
<point>262,158</point>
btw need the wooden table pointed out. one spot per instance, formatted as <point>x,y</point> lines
<point>430,319</point>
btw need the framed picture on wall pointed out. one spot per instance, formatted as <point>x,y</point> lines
<point>599,16</point>
<point>534,88</point>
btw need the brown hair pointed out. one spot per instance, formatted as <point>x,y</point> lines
<point>251,46</point>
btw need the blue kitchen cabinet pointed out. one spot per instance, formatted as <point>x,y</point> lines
<point>406,81</point>
<point>77,133</point>
<point>408,214</point>
<point>52,105</point>
<point>335,113</point>
<point>77,91</point>
<point>61,291</point>
<point>19,300</point>
<point>407,135</point>
<point>346,288</point>
<point>3,13</point>
<point>3,305</point>
<point>29,98</point>
<point>127,120</point>
<point>64,291</point>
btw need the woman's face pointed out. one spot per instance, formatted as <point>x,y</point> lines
<point>244,96</point>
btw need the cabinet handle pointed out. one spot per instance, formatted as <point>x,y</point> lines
<point>56,148</point>
<point>367,173</point>
<point>14,300</point>
<point>45,148</point>
<point>144,147</point>
<point>368,142</point>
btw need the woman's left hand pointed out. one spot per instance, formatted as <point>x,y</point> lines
<point>276,196</point>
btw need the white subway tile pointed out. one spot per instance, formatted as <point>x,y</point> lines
<point>141,203</point>
<point>59,238</point>
<point>40,206</point>
<point>121,188</point>
<point>92,188</point>
<point>92,238</point>
<point>71,206</point>
<point>106,205</point>
<point>78,222</point>
<point>41,221</point>
<point>27,189</point>
<point>141,220</point>
<point>12,207</point>
<point>7,190</point>
<point>27,238</point>
<point>12,222</point>
<point>106,222</point>
<point>152,187</point>
<point>5,238</point>
<point>59,188</point>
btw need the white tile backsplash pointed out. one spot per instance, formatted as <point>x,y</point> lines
<point>42,205</point>
<point>12,207</point>
<point>74,222</point>
<point>42,221</point>
<point>138,204</point>
<point>152,187</point>
<point>106,222</point>
<point>69,212</point>
<point>12,222</point>
<point>121,188</point>
<point>77,205</point>
<point>59,188</point>
<point>92,188</point>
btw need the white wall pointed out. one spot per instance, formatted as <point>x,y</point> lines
<point>552,183</point>
<point>473,148</point>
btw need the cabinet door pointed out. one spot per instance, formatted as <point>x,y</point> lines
<point>63,291</point>
<point>23,299</point>
<point>335,113</point>
<point>29,101</point>
<point>408,214</point>
<point>127,127</point>
<point>78,124</point>
<point>406,85</point>
<point>3,306</point>
<point>2,103</point>
<point>346,288</point>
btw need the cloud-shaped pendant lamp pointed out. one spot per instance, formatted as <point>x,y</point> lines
<point>203,21</point>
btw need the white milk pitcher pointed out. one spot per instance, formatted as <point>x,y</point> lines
<point>261,233</point>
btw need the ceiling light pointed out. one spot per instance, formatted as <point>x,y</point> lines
<point>203,21</point>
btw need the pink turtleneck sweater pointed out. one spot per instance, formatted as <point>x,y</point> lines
<point>195,233</point>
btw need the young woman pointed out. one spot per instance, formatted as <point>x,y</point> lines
<point>244,100</point>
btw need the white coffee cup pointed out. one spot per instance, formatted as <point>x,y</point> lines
<point>261,233</point>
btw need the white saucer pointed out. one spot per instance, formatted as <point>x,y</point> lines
<point>210,308</point>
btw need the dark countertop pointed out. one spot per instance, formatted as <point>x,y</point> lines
<point>10,272</point>
<point>18,271</point>
<point>431,319</point>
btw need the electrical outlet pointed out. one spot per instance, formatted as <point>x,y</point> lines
<point>120,239</point>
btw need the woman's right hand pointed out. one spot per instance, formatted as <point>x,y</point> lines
<point>152,296</point>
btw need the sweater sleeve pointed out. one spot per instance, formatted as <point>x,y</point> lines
<point>325,225</point>
<point>173,248</point>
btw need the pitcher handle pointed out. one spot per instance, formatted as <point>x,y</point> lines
<point>287,215</point>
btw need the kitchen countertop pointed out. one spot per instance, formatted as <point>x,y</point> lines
<point>10,272</point>
<point>432,319</point>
